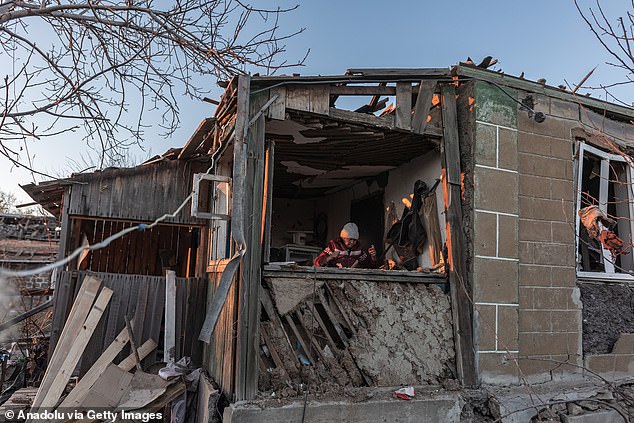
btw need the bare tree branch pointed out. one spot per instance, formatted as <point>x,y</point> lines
<point>111,67</point>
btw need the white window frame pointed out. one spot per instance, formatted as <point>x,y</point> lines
<point>609,272</point>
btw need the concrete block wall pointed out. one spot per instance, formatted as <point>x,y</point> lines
<point>528,312</point>
<point>495,240</point>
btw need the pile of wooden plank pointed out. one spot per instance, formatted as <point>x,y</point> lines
<point>105,385</point>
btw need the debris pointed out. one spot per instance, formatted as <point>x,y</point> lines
<point>592,217</point>
<point>405,393</point>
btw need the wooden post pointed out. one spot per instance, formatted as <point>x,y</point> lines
<point>249,296</point>
<point>169,347</point>
<point>268,200</point>
<point>461,306</point>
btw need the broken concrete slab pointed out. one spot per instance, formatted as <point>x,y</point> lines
<point>440,408</point>
<point>606,416</point>
<point>624,345</point>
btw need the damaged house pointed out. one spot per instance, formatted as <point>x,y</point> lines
<point>511,286</point>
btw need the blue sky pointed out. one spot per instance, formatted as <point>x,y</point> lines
<point>542,38</point>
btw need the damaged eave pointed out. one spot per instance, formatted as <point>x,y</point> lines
<point>465,71</point>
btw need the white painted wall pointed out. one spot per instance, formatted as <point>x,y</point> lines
<point>298,214</point>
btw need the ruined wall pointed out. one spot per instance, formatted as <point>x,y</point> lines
<point>363,333</point>
<point>550,310</point>
<point>527,299</point>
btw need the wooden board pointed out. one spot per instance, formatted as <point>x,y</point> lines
<point>76,319</point>
<point>144,350</point>
<point>403,117</point>
<point>73,354</point>
<point>75,397</point>
<point>423,105</point>
<point>461,307</point>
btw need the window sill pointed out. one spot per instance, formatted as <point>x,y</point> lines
<point>606,277</point>
<point>333,273</point>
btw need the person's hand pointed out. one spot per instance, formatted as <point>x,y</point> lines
<point>333,255</point>
<point>372,251</point>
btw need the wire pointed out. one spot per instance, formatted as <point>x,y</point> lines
<point>107,241</point>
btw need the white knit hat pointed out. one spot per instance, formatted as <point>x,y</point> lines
<point>349,230</point>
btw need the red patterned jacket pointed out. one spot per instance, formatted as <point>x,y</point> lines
<point>347,257</point>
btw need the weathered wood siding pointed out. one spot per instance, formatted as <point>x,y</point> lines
<point>142,193</point>
<point>142,298</point>
<point>220,354</point>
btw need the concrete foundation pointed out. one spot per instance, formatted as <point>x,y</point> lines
<point>437,408</point>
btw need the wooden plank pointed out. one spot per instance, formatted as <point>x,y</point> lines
<point>320,99</point>
<point>301,341</point>
<point>385,122</point>
<point>277,110</point>
<point>144,350</point>
<point>169,345</point>
<point>403,117</point>
<point>73,354</point>
<point>76,318</point>
<point>461,307</point>
<point>423,105</point>
<point>75,397</point>
<point>394,72</point>
<point>249,286</point>
<point>330,273</point>
<point>268,201</point>
<point>333,319</point>
<point>197,137</point>
<point>363,90</point>
<point>298,98</point>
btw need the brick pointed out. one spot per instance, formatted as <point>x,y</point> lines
<point>486,145</point>
<point>535,321</point>
<point>485,234</point>
<point>486,324</point>
<point>624,363</point>
<point>533,143</point>
<point>508,328</point>
<point>564,276</point>
<point>507,236</point>
<point>527,298</point>
<point>526,252</point>
<point>548,343</point>
<point>554,254</point>
<point>562,190</point>
<point>530,275</point>
<point>624,345</point>
<point>498,368</point>
<point>561,148</point>
<point>495,280</point>
<point>496,190</point>
<point>553,126</point>
<point>563,233</point>
<point>554,298</point>
<point>534,186</point>
<point>564,109</point>
<point>566,321</point>
<point>600,363</point>
<point>566,364</point>
<point>531,164</point>
<point>495,106</point>
<point>603,124</point>
<point>543,209</point>
<point>507,149</point>
<point>534,230</point>
<point>536,365</point>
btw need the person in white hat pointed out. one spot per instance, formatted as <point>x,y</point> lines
<point>346,251</point>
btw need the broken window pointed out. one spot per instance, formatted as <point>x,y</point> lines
<point>605,211</point>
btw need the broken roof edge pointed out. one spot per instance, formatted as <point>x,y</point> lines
<point>360,75</point>
<point>479,74</point>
